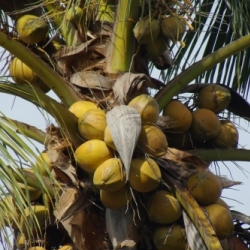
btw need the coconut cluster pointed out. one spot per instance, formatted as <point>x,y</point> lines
<point>187,128</point>
<point>98,154</point>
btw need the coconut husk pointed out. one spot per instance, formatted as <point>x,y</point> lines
<point>125,126</point>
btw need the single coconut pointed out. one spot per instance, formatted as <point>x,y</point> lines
<point>147,106</point>
<point>163,208</point>
<point>110,175</point>
<point>180,117</point>
<point>34,214</point>
<point>105,12</point>
<point>221,220</point>
<point>92,124</point>
<point>23,74</point>
<point>146,30</point>
<point>214,97</point>
<point>117,199</point>
<point>170,238</point>
<point>205,125</point>
<point>21,241</point>
<point>108,139</point>
<point>180,141</point>
<point>144,175</point>
<point>91,154</point>
<point>228,136</point>
<point>32,29</point>
<point>205,187</point>
<point>34,193</point>
<point>157,47</point>
<point>74,14</point>
<point>153,141</point>
<point>80,107</point>
<point>43,163</point>
<point>173,28</point>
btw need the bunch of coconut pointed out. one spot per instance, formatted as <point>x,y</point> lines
<point>206,188</point>
<point>206,126</point>
<point>98,157</point>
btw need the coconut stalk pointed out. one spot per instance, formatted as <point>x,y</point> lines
<point>122,46</point>
<point>60,86</point>
<point>179,82</point>
<point>27,130</point>
<point>62,115</point>
<point>231,154</point>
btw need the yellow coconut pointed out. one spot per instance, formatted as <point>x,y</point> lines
<point>34,193</point>
<point>117,199</point>
<point>91,154</point>
<point>180,141</point>
<point>153,141</point>
<point>228,136</point>
<point>21,241</point>
<point>110,175</point>
<point>43,163</point>
<point>69,246</point>
<point>147,107</point>
<point>163,208</point>
<point>80,107</point>
<point>180,116</point>
<point>157,47</point>
<point>32,29</point>
<point>173,28</point>
<point>205,187</point>
<point>144,175</point>
<point>108,139</point>
<point>214,97</point>
<point>205,125</point>
<point>74,14</point>
<point>92,124</point>
<point>170,238</point>
<point>39,212</point>
<point>23,74</point>
<point>146,30</point>
<point>221,220</point>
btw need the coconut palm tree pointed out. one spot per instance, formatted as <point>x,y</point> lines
<point>106,53</point>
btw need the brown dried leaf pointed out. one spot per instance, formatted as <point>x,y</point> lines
<point>92,80</point>
<point>125,126</point>
<point>130,85</point>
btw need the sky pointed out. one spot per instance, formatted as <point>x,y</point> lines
<point>236,197</point>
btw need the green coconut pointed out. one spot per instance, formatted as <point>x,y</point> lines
<point>74,14</point>
<point>205,187</point>
<point>205,125</point>
<point>146,30</point>
<point>32,29</point>
<point>163,208</point>
<point>228,136</point>
<point>157,47</point>
<point>170,238</point>
<point>221,220</point>
<point>173,28</point>
<point>214,97</point>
